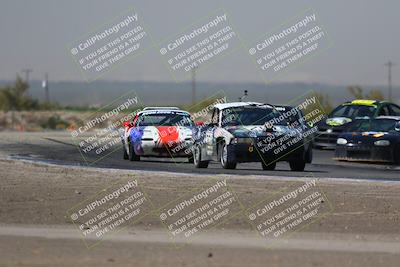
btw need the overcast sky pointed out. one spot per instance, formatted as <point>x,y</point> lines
<point>365,34</point>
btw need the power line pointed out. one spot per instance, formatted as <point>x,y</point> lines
<point>194,85</point>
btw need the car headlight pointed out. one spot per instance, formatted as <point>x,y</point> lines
<point>382,143</point>
<point>341,141</point>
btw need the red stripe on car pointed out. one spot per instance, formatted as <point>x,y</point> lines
<point>168,134</point>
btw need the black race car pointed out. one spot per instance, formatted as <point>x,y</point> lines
<point>342,117</point>
<point>376,140</point>
<point>252,132</point>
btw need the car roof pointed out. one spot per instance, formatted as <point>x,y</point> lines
<point>283,107</point>
<point>240,104</point>
<point>362,102</point>
<point>162,110</point>
<point>366,102</point>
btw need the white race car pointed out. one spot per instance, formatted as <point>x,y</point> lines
<point>158,132</point>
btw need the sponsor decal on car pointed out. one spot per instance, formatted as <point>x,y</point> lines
<point>338,121</point>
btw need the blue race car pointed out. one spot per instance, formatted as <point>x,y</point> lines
<point>375,140</point>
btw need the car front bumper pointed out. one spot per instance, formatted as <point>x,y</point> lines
<point>364,153</point>
<point>244,152</point>
<point>180,149</point>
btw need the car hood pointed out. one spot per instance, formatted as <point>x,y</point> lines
<point>256,130</point>
<point>366,137</point>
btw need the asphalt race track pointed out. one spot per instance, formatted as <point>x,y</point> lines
<point>59,148</point>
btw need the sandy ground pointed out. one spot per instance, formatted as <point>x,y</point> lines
<point>360,229</point>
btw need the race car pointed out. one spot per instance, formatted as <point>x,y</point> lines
<point>342,116</point>
<point>249,132</point>
<point>158,132</point>
<point>376,140</point>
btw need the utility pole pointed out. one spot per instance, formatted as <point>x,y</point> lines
<point>194,85</point>
<point>45,85</point>
<point>27,71</point>
<point>390,64</point>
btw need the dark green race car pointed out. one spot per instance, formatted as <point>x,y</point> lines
<point>342,117</point>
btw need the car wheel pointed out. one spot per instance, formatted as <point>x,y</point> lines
<point>268,166</point>
<point>318,147</point>
<point>397,155</point>
<point>198,163</point>
<point>226,157</point>
<point>132,155</point>
<point>190,159</point>
<point>297,165</point>
<point>309,155</point>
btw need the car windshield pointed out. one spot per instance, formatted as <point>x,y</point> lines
<point>250,116</point>
<point>379,125</point>
<point>165,119</point>
<point>353,111</point>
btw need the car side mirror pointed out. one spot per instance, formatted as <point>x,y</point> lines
<point>199,123</point>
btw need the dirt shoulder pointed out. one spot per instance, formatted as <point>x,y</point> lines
<point>38,194</point>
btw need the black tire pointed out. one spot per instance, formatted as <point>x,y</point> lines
<point>318,147</point>
<point>126,156</point>
<point>226,158</point>
<point>190,159</point>
<point>396,155</point>
<point>309,154</point>
<point>198,163</point>
<point>268,166</point>
<point>297,165</point>
<point>132,155</point>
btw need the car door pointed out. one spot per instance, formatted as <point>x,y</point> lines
<point>210,141</point>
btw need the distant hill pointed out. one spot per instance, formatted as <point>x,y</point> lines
<point>99,93</point>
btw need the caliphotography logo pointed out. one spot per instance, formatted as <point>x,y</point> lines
<point>101,133</point>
